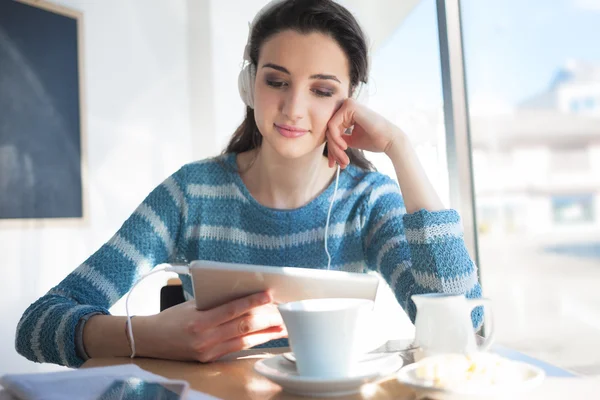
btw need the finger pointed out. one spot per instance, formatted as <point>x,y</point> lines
<point>335,134</point>
<point>243,343</point>
<point>330,158</point>
<point>343,118</point>
<point>338,123</point>
<point>356,138</point>
<point>329,143</point>
<point>338,138</point>
<point>235,308</point>
<point>257,320</point>
<point>340,156</point>
<point>332,153</point>
<point>350,140</point>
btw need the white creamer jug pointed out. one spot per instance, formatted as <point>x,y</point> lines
<point>444,325</point>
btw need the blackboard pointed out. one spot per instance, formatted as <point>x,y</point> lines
<point>40,111</point>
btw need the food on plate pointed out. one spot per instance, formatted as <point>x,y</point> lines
<point>469,370</point>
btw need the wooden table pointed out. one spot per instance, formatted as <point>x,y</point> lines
<point>235,378</point>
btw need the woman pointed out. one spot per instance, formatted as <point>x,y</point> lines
<point>265,201</point>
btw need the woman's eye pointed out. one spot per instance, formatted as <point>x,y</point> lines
<point>282,84</point>
<point>275,84</point>
<point>322,93</point>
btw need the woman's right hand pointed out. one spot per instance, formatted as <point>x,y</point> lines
<point>184,333</point>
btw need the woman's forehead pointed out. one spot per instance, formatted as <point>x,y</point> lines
<point>305,54</point>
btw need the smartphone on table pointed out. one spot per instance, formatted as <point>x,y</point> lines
<point>138,389</point>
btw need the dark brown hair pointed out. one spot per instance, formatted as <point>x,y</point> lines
<point>307,16</point>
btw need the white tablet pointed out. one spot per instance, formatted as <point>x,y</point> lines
<point>217,283</point>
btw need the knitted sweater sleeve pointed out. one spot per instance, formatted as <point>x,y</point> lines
<point>421,252</point>
<point>46,331</point>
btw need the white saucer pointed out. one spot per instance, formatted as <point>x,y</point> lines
<point>364,358</point>
<point>283,372</point>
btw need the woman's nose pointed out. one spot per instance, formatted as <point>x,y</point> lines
<point>295,104</point>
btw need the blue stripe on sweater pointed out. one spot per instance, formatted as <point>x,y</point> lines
<point>84,290</point>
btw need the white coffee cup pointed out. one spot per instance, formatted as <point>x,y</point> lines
<point>327,336</point>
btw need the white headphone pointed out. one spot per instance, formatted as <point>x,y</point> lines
<point>248,73</point>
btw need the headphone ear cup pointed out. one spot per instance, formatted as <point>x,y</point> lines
<point>246,84</point>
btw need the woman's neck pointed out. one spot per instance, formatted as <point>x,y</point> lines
<point>281,183</point>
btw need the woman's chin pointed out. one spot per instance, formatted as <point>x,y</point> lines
<point>293,150</point>
<point>291,154</point>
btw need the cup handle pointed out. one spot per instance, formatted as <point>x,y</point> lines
<point>489,321</point>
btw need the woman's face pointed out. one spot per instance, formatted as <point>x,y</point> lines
<point>301,80</point>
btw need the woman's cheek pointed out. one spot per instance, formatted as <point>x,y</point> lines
<point>324,118</point>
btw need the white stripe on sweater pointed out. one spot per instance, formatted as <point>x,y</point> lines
<point>395,213</point>
<point>130,252</point>
<point>389,245</point>
<point>228,191</point>
<point>342,228</point>
<point>32,311</point>
<point>430,233</point>
<point>37,331</point>
<point>177,196</point>
<point>358,266</point>
<point>157,225</point>
<point>239,236</point>
<point>382,191</point>
<point>105,286</point>
<point>400,268</point>
<point>458,284</point>
<point>357,190</point>
<point>55,291</point>
<point>59,339</point>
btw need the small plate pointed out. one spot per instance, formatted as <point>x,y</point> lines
<point>283,372</point>
<point>533,377</point>
<point>364,358</point>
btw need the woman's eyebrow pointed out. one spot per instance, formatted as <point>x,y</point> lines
<point>316,76</point>
<point>323,76</point>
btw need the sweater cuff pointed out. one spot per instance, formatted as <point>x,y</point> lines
<point>69,356</point>
<point>79,347</point>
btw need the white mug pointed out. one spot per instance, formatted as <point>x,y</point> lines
<point>327,336</point>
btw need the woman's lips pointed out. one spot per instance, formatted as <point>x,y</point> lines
<point>290,131</point>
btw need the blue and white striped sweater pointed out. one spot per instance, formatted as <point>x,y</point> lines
<point>204,211</point>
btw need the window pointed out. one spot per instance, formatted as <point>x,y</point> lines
<point>539,251</point>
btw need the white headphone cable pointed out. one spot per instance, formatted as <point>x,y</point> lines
<point>337,178</point>
<point>180,269</point>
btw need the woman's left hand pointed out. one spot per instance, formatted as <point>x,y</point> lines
<point>371,132</point>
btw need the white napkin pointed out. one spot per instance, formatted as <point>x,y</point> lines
<point>83,384</point>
